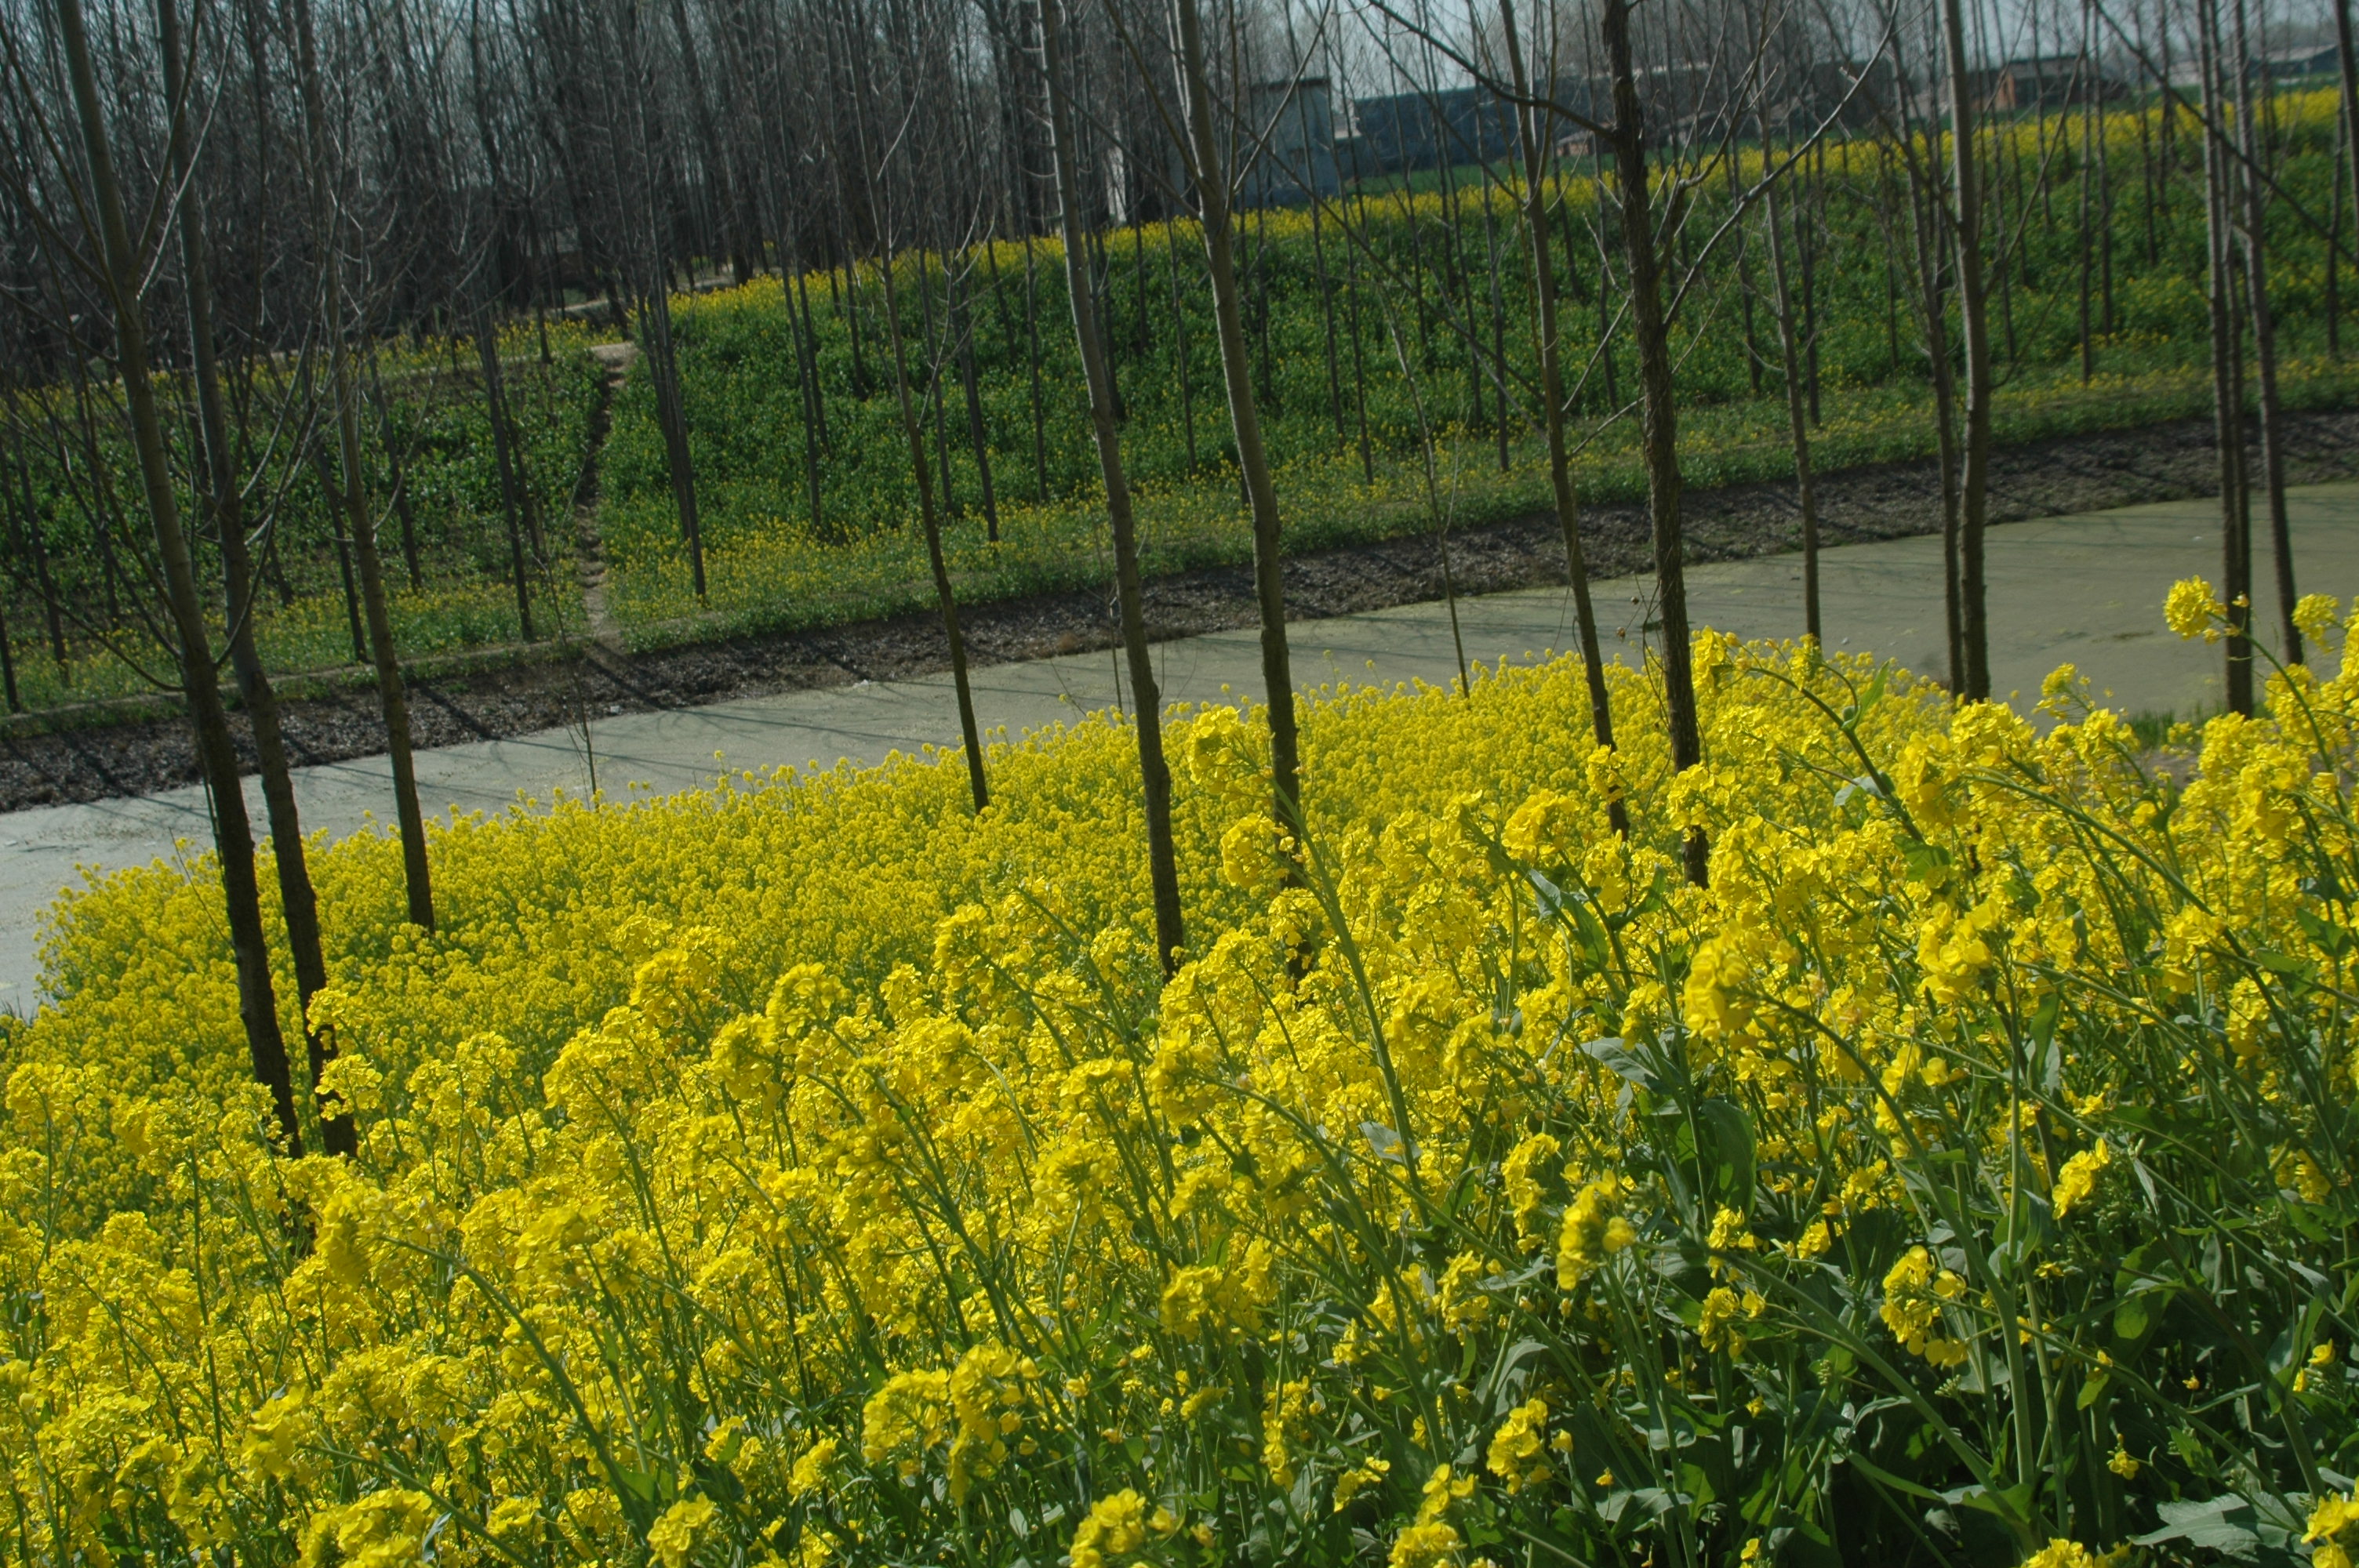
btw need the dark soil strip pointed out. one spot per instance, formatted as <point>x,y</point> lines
<point>2080,473</point>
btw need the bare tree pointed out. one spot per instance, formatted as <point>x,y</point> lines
<point>224,497</point>
<point>119,269</point>
<point>1147,701</point>
<point>1963,216</point>
<point>1210,179</point>
<point>1535,130</point>
<point>350,494</point>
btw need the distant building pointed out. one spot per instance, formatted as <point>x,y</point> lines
<point>1851,92</point>
<point>1296,161</point>
<point>2044,82</point>
<point>2295,64</point>
<point>1407,131</point>
<point>1680,103</point>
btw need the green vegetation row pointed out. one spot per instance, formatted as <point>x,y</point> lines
<point>430,476</point>
<point>1374,318</point>
<point>1377,325</point>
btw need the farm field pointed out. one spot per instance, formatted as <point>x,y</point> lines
<point>812,1166</point>
<point>1373,350</point>
<point>1594,799</point>
<point>1381,265</point>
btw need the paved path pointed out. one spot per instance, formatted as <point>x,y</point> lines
<point>2088,590</point>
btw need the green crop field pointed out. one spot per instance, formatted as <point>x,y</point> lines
<point>1403,282</point>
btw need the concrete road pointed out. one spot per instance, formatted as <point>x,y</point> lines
<point>2086,589</point>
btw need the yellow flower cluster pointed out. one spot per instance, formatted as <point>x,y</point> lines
<point>812,1168</point>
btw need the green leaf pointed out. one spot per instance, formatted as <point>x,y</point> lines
<point>1728,1134</point>
<point>1624,1063</point>
<point>2329,938</point>
<point>1927,863</point>
<point>2221,1524</point>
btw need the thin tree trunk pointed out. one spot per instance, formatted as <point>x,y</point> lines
<point>1798,425</point>
<point>1923,216</point>
<point>1533,133</point>
<point>1032,345</point>
<point>398,480</point>
<point>2107,323</point>
<point>807,372</point>
<point>2264,346</point>
<point>1184,371</point>
<point>1753,358</point>
<point>2088,258</point>
<point>1973,315</point>
<point>362,527</point>
<point>496,404</point>
<point>963,324</point>
<point>2346,57</point>
<point>1326,310</point>
<point>1163,866</point>
<point>8,669</point>
<point>233,834</point>
<point>224,502</point>
<point>934,376</point>
<point>334,495</point>
<point>2227,393</point>
<point>716,163</point>
<point>1813,202</point>
<point>1660,436</point>
<point>1498,326</point>
<point>1209,176</point>
<point>2334,227</point>
<point>671,415</point>
<point>914,432</point>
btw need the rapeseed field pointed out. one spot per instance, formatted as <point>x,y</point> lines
<point>810,1169</point>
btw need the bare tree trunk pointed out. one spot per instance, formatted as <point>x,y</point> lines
<point>1660,439</point>
<point>2228,389</point>
<point>662,356</point>
<point>1183,370</point>
<point>495,405</point>
<point>333,494</point>
<point>1532,132</point>
<point>1498,366</point>
<point>1796,417</point>
<point>671,413</point>
<point>362,527</point>
<point>716,162</point>
<point>2346,57</point>
<point>961,323</point>
<point>224,502</point>
<point>913,432</point>
<point>1973,315</point>
<point>2334,227</point>
<point>931,516</point>
<point>1209,176</point>
<point>232,835</point>
<point>2264,346</point>
<point>399,481</point>
<point>1923,218</point>
<point>1162,858</point>
<point>1032,346</point>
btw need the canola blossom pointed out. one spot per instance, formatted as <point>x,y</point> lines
<point>810,1169</point>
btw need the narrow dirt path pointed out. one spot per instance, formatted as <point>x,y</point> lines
<point>590,548</point>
